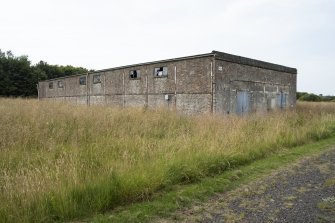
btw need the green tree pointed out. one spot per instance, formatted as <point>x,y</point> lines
<point>54,71</point>
<point>19,78</point>
<point>15,75</point>
<point>310,97</point>
<point>300,94</point>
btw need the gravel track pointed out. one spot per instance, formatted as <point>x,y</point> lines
<point>301,192</point>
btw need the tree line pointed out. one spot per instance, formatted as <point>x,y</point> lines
<point>19,77</point>
<point>304,96</point>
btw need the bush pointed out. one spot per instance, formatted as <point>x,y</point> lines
<point>310,97</point>
<point>304,96</point>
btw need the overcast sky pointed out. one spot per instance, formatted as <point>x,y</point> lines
<point>100,34</point>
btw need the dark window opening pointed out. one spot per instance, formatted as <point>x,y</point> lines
<point>82,80</point>
<point>60,84</point>
<point>135,74</point>
<point>96,79</point>
<point>161,72</point>
<point>51,85</point>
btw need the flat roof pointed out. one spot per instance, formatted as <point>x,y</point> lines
<point>217,54</point>
<point>252,62</point>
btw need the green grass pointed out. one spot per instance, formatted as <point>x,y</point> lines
<point>61,162</point>
<point>183,196</point>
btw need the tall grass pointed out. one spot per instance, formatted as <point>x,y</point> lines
<point>60,162</point>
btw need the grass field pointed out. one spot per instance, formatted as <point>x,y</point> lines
<point>60,162</point>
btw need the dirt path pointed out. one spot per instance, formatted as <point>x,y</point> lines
<point>302,192</point>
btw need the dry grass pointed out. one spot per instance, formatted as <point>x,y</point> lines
<point>61,161</point>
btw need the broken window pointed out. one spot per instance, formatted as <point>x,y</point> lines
<point>134,74</point>
<point>96,79</point>
<point>161,72</point>
<point>60,84</point>
<point>82,80</point>
<point>51,85</point>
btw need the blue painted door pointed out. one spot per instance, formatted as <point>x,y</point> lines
<point>281,100</point>
<point>242,102</point>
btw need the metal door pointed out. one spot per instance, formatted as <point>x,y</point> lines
<point>242,102</point>
<point>281,100</point>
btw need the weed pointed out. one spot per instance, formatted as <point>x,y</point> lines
<point>60,161</point>
<point>330,183</point>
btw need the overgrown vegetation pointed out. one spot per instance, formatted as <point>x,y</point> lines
<point>304,96</point>
<point>185,200</point>
<point>60,161</point>
<point>18,77</point>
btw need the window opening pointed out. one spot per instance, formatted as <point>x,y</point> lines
<point>82,80</point>
<point>60,84</point>
<point>96,79</point>
<point>134,74</point>
<point>161,72</point>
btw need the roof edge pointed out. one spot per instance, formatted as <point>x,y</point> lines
<point>136,65</point>
<point>252,62</point>
<point>220,55</point>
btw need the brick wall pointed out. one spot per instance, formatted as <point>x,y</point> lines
<point>220,82</point>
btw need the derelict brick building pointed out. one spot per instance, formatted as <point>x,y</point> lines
<point>214,82</point>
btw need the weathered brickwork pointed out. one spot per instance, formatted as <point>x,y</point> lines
<point>264,87</point>
<point>214,82</point>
